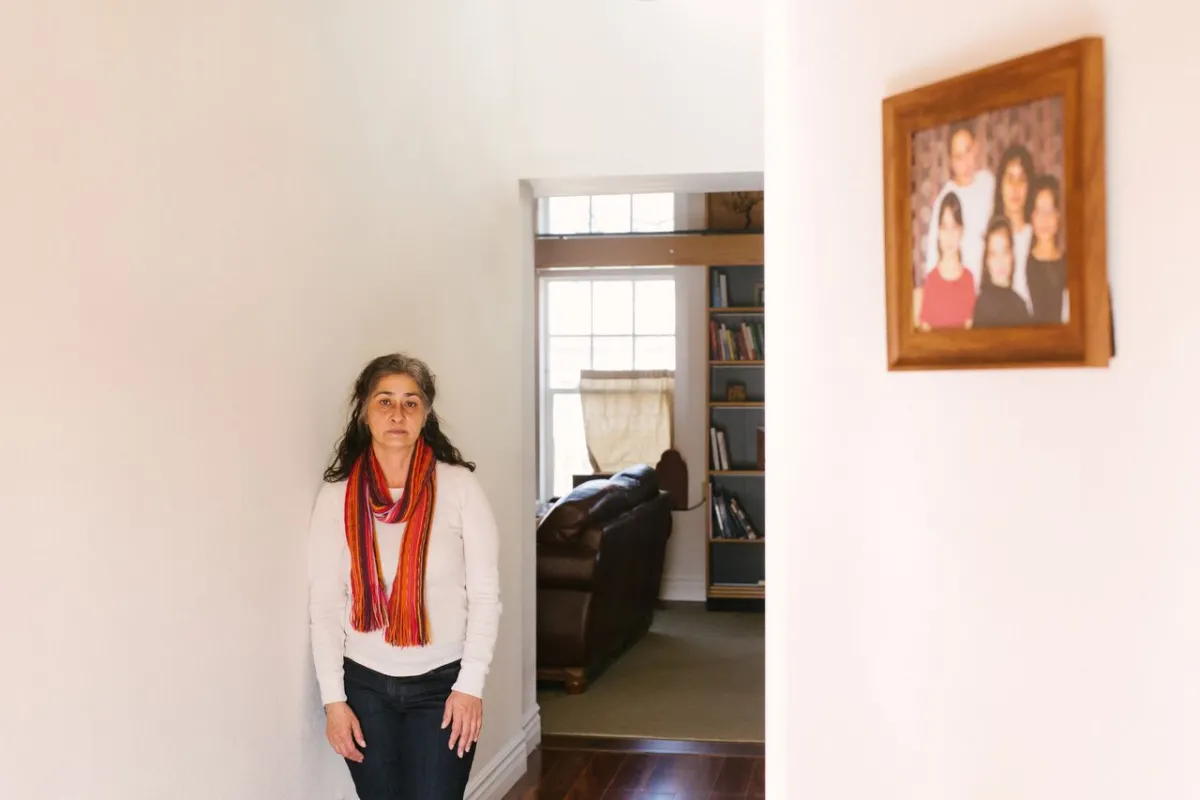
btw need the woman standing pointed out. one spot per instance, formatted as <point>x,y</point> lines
<point>1014,202</point>
<point>404,592</point>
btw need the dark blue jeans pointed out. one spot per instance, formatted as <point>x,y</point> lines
<point>407,753</point>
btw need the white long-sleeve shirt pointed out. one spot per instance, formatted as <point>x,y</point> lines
<point>1022,243</point>
<point>462,588</point>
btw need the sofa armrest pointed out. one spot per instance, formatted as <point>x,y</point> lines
<point>565,565</point>
<point>634,534</point>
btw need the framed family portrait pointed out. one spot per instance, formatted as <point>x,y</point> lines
<point>994,202</point>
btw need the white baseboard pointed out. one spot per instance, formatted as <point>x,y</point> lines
<point>682,589</point>
<point>533,729</point>
<point>493,780</point>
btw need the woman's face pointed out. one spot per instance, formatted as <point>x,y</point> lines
<point>1014,189</point>
<point>949,232</point>
<point>999,259</point>
<point>1045,216</point>
<point>962,157</point>
<point>396,411</point>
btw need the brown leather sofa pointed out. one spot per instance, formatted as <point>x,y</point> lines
<point>600,552</point>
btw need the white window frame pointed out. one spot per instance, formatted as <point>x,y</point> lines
<point>543,215</point>
<point>545,391</point>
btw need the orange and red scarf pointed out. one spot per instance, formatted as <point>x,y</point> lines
<point>368,499</point>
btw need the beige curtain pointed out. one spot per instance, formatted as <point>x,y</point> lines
<point>628,417</point>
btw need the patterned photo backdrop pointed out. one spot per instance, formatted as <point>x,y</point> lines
<point>1036,125</point>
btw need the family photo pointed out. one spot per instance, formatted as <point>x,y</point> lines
<point>988,222</point>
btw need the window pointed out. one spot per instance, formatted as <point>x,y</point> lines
<point>622,320</point>
<point>607,213</point>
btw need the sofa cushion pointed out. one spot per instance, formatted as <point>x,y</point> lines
<point>596,502</point>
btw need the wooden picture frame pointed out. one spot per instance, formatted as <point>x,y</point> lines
<point>1041,113</point>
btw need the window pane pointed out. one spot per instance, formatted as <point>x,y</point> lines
<point>655,307</point>
<point>610,213</point>
<point>654,212</point>
<point>612,307</point>
<point>612,352</point>
<point>566,215</point>
<point>654,352</point>
<point>569,443</point>
<point>568,355</point>
<point>569,307</point>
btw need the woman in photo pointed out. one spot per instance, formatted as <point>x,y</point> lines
<point>998,305</point>
<point>975,187</point>
<point>1014,202</point>
<point>404,592</point>
<point>949,292</point>
<point>1047,267</point>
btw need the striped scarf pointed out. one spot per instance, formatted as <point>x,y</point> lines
<point>367,499</point>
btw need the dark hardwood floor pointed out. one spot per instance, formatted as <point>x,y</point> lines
<point>557,773</point>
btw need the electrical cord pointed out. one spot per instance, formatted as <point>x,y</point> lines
<point>703,499</point>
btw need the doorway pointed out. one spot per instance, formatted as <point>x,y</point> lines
<point>669,283</point>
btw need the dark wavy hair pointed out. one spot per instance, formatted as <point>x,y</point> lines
<point>952,204</point>
<point>1001,225</point>
<point>1015,152</point>
<point>357,438</point>
<point>1047,183</point>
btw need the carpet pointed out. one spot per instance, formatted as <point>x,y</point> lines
<point>696,675</point>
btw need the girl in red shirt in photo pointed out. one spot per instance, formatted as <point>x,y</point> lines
<point>949,294</point>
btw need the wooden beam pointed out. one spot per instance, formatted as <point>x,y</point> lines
<point>649,250</point>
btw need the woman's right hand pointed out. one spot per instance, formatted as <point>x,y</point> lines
<point>343,731</point>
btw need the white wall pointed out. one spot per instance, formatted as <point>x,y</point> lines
<point>967,608</point>
<point>683,570</point>
<point>684,576</point>
<point>212,215</point>
<point>530,406</point>
<point>630,88</point>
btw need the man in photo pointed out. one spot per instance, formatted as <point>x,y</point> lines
<point>975,188</point>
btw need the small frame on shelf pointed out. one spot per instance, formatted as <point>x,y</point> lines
<point>734,211</point>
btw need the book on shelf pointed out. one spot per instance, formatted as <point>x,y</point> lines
<point>729,518</point>
<point>720,291</point>
<point>742,342</point>
<point>719,449</point>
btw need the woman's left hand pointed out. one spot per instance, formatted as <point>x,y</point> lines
<point>464,715</point>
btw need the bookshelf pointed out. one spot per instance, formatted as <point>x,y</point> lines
<point>735,564</point>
